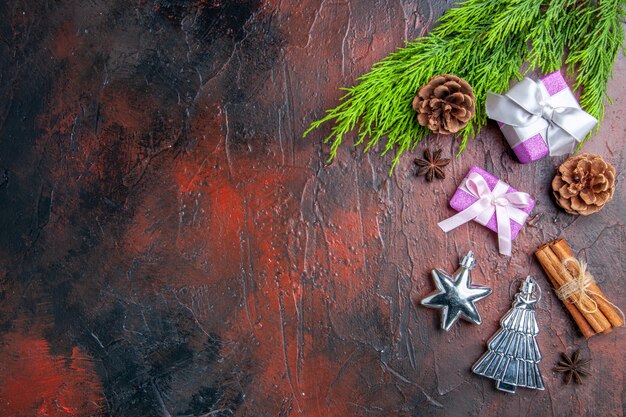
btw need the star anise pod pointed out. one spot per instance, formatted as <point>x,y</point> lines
<point>432,165</point>
<point>573,367</point>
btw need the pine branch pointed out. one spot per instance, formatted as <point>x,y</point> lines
<point>487,43</point>
<point>551,34</point>
<point>594,50</point>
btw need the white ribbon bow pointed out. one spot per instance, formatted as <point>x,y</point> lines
<point>506,206</point>
<point>527,102</point>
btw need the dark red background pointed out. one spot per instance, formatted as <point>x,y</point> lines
<point>170,246</point>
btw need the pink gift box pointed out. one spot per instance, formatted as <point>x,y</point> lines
<point>534,147</point>
<point>462,200</point>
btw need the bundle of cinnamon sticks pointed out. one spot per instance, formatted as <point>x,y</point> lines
<point>592,317</point>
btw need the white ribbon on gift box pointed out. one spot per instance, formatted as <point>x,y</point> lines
<point>506,206</point>
<point>530,109</point>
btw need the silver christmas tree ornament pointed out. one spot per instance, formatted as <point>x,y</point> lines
<point>513,355</point>
<point>455,295</point>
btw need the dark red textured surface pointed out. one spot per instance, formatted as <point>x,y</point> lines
<point>170,246</point>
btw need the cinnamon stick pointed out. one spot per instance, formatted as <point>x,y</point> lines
<point>563,251</point>
<point>597,320</point>
<point>551,270</point>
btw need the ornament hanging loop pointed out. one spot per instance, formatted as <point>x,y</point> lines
<point>532,288</point>
<point>469,261</point>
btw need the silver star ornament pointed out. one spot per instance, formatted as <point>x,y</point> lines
<point>455,296</point>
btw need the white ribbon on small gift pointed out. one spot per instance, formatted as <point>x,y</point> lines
<point>506,206</point>
<point>528,103</point>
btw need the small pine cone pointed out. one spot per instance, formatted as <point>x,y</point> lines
<point>584,184</point>
<point>445,105</point>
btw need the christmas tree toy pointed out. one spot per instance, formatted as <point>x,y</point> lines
<point>513,354</point>
<point>455,295</point>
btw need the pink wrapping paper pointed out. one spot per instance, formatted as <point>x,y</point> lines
<point>535,147</point>
<point>462,200</point>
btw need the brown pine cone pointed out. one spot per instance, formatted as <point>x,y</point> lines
<point>445,105</point>
<point>584,184</point>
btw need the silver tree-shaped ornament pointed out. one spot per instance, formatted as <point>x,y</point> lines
<point>513,355</point>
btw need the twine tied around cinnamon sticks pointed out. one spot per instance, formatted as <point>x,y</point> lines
<point>578,289</point>
<point>590,309</point>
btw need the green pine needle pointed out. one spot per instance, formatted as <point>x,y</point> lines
<point>486,42</point>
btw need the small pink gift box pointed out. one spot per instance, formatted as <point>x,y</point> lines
<point>551,96</point>
<point>485,199</point>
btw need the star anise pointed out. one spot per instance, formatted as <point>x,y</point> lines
<point>573,368</point>
<point>432,165</point>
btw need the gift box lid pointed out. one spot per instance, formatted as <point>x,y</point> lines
<point>462,200</point>
<point>554,82</point>
<point>528,139</point>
